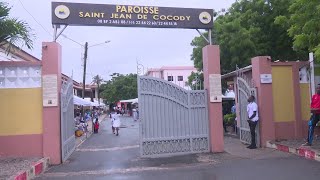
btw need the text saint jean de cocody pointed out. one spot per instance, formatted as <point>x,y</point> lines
<point>125,12</point>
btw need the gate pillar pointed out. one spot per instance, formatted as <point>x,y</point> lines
<point>262,65</point>
<point>51,65</point>
<point>211,65</point>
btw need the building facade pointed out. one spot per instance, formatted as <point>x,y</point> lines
<point>175,74</point>
<point>19,55</point>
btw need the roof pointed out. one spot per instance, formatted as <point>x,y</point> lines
<point>178,68</point>
<point>234,73</point>
<point>18,52</point>
<point>154,70</point>
<point>171,68</point>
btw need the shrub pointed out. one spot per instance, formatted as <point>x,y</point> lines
<point>229,119</point>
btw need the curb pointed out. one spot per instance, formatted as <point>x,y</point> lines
<point>35,170</point>
<point>301,151</point>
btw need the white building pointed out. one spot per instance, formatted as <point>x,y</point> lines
<point>175,74</point>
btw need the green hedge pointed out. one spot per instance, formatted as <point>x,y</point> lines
<point>229,119</point>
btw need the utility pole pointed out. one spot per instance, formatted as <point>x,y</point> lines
<point>84,68</point>
<point>98,83</point>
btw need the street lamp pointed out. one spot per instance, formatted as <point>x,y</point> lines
<point>86,47</point>
<point>140,69</point>
<point>85,58</point>
<point>106,42</point>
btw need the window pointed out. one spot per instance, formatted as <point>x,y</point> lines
<point>170,78</point>
<point>180,78</point>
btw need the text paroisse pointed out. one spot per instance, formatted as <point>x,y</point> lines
<point>141,12</point>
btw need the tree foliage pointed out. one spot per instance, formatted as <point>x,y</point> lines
<point>303,25</point>
<point>246,30</point>
<point>195,81</point>
<point>12,30</point>
<point>120,87</point>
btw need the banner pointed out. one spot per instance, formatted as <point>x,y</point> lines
<point>81,14</point>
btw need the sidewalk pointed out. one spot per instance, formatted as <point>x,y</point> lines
<point>26,168</point>
<point>296,147</point>
<point>80,140</point>
<point>22,168</point>
<point>234,147</point>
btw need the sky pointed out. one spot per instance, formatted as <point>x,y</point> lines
<point>152,47</point>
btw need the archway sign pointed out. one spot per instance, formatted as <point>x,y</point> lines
<point>82,14</point>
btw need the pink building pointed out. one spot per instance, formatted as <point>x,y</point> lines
<point>175,74</point>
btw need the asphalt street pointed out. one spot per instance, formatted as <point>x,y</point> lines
<point>106,156</point>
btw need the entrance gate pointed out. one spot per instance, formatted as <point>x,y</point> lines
<point>245,90</point>
<point>67,120</point>
<point>174,121</point>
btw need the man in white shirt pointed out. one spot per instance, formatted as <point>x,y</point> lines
<point>253,117</point>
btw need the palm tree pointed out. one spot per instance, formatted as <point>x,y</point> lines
<point>97,80</point>
<point>13,32</point>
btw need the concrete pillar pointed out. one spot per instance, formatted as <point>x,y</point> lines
<point>298,124</point>
<point>96,90</point>
<point>262,65</point>
<point>51,65</point>
<point>211,65</point>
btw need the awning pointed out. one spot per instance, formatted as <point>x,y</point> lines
<point>96,103</point>
<point>226,98</point>
<point>81,102</point>
<point>230,94</point>
<point>130,101</point>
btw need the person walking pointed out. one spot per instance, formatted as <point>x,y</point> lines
<point>253,117</point>
<point>115,120</point>
<point>113,111</point>
<point>135,114</point>
<point>315,117</point>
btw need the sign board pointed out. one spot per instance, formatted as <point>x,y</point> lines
<point>130,16</point>
<point>215,88</point>
<point>265,78</point>
<point>50,90</point>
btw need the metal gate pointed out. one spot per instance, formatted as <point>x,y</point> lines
<point>245,90</point>
<point>67,120</point>
<point>174,121</point>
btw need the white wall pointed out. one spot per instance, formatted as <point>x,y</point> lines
<point>175,74</point>
<point>156,74</point>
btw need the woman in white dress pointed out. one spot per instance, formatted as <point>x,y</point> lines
<point>115,120</point>
<point>135,114</point>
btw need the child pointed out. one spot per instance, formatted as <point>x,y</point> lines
<point>96,126</point>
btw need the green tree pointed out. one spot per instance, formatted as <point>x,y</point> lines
<point>246,30</point>
<point>195,81</point>
<point>13,31</point>
<point>120,87</point>
<point>303,25</point>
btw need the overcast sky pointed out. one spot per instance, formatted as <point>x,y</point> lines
<point>152,47</point>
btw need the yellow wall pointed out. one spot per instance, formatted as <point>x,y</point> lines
<point>305,101</point>
<point>20,111</point>
<point>283,95</point>
<point>317,71</point>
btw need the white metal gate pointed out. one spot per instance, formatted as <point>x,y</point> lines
<point>245,90</point>
<point>67,120</point>
<point>173,120</point>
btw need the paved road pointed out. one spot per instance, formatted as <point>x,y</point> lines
<point>106,156</point>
